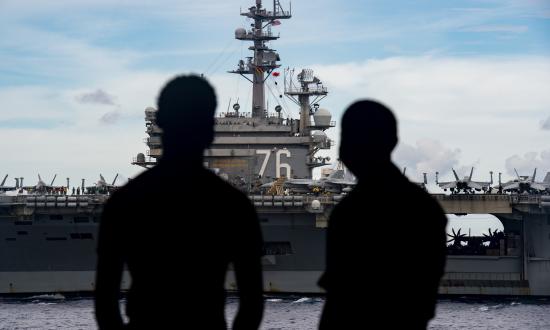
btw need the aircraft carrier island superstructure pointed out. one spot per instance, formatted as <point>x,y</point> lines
<point>48,234</point>
<point>256,149</point>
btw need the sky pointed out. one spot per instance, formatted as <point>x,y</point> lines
<point>469,81</point>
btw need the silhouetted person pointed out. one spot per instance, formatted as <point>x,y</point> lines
<point>385,240</point>
<point>177,227</point>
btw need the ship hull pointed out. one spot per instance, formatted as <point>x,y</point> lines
<point>54,251</point>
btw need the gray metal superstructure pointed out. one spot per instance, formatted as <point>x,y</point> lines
<point>48,236</point>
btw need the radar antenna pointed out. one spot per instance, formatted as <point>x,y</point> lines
<point>300,90</point>
<point>265,59</point>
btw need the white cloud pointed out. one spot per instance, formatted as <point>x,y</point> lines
<point>545,125</point>
<point>110,117</point>
<point>81,146</point>
<point>526,164</point>
<point>456,111</point>
<point>97,97</point>
<point>447,88</point>
<point>427,156</point>
<point>488,107</point>
<point>59,58</point>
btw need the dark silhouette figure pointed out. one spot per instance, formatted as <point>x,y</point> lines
<point>176,228</point>
<point>385,240</point>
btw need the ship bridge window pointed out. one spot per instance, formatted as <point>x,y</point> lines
<point>277,248</point>
<point>22,233</point>
<point>10,239</point>
<point>56,217</point>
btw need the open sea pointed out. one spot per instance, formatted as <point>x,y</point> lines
<point>286,312</point>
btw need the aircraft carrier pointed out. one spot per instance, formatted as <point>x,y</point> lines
<point>48,234</point>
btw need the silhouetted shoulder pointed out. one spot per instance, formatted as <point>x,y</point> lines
<point>426,198</point>
<point>124,194</point>
<point>227,188</point>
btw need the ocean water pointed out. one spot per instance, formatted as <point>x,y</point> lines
<point>58,312</point>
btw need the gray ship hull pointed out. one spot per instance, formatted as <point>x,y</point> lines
<point>52,249</point>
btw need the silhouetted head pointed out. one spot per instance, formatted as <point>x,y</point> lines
<point>368,136</point>
<point>186,108</point>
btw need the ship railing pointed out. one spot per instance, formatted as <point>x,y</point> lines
<point>232,115</point>
<point>310,90</point>
<point>466,197</point>
<point>63,201</point>
<point>256,36</point>
<point>265,14</point>
<point>513,199</point>
<point>147,160</point>
<point>525,199</point>
<point>276,14</point>
<point>331,124</point>
<point>297,200</point>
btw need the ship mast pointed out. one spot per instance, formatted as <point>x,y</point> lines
<point>309,86</point>
<point>265,59</point>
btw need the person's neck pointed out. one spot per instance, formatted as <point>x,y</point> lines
<point>376,172</point>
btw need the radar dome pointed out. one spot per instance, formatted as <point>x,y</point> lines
<point>322,118</point>
<point>315,204</point>
<point>140,158</point>
<point>150,109</point>
<point>240,32</point>
<point>318,136</point>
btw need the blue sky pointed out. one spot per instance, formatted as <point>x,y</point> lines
<point>469,80</point>
<point>181,35</point>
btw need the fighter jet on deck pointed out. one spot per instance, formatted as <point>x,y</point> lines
<point>42,186</point>
<point>102,186</point>
<point>5,188</point>
<point>527,184</point>
<point>102,183</point>
<point>465,185</point>
<point>339,181</point>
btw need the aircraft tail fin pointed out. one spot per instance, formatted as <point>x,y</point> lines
<point>55,176</point>
<point>456,175</point>
<point>519,177</point>
<point>4,181</point>
<point>471,174</point>
<point>534,175</point>
<point>547,178</point>
<point>116,176</point>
